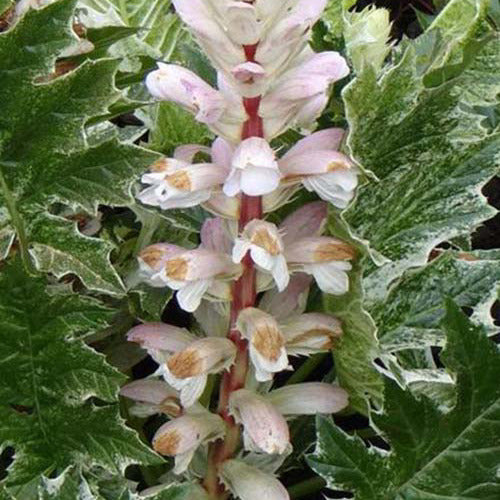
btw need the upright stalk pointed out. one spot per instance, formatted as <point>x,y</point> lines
<point>244,294</point>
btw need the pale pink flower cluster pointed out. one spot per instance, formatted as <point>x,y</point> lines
<point>268,81</point>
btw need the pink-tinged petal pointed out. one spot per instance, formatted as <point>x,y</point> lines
<point>329,187</point>
<point>248,72</point>
<point>329,65</point>
<point>187,152</point>
<point>216,235</point>
<point>197,177</point>
<point>257,181</point>
<point>254,169</point>
<point>255,152</point>
<point>221,205</point>
<point>290,302</point>
<point>309,399</point>
<point>317,250</point>
<point>311,333</point>
<point>155,256</point>
<point>148,391</point>
<point>266,342</point>
<point>199,264</point>
<point>199,16</point>
<point>232,186</point>
<point>204,356</point>
<point>152,397</point>
<point>289,32</point>
<point>328,139</point>
<point>265,428</point>
<point>307,221</point>
<point>250,483</point>
<point>177,84</point>
<point>161,337</point>
<point>222,152</point>
<point>308,112</point>
<point>242,23</point>
<point>314,162</point>
<point>331,277</point>
<point>181,437</point>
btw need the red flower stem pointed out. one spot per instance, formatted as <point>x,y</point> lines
<point>244,294</point>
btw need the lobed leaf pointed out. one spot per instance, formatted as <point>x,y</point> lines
<point>45,156</point>
<point>434,453</point>
<point>58,396</point>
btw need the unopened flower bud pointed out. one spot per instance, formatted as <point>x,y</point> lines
<point>264,428</point>
<point>181,437</point>
<point>367,36</point>
<point>308,220</point>
<point>217,235</point>
<point>250,483</point>
<point>326,259</point>
<point>264,243</point>
<point>254,170</point>
<point>177,84</point>
<point>308,399</point>
<point>311,333</point>
<point>298,90</point>
<point>187,370</point>
<point>266,342</point>
<point>291,301</point>
<point>153,396</point>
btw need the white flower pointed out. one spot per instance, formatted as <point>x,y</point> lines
<point>254,170</point>
<point>181,437</point>
<point>195,273</point>
<point>187,370</point>
<point>152,396</point>
<point>266,343</point>
<point>264,428</point>
<point>177,184</point>
<point>308,398</point>
<point>264,243</point>
<point>311,333</point>
<point>250,483</point>
<point>325,258</point>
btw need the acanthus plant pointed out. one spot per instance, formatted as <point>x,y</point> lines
<point>308,192</point>
<point>268,81</point>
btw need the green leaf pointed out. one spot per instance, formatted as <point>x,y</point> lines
<point>357,348</point>
<point>58,396</point>
<point>73,485</point>
<point>410,317</point>
<point>434,454</point>
<point>171,126</point>
<point>45,156</point>
<point>159,30</point>
<point>425,143</point>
